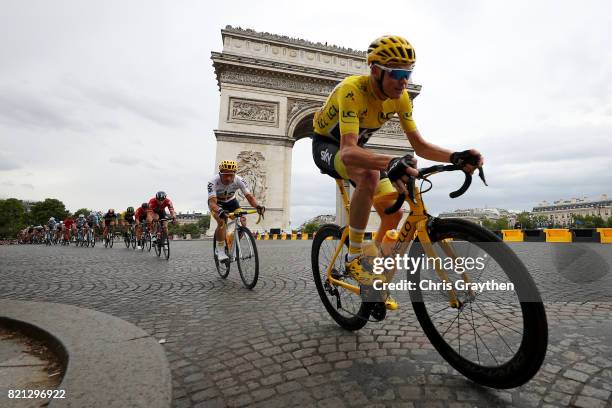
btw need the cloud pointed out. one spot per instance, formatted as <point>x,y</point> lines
<point>132,161</point>
<point>27,185</point>
<point>7,163</point>
<point>21,108</point>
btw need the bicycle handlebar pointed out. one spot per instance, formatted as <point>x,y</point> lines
<point>426,171</point>
<point>240,213</point>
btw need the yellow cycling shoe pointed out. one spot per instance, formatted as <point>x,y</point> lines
<point>391,304</point>
<point>355,270</point>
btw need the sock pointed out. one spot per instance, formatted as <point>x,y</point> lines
<point>220,244</point>
<point>355,240</point>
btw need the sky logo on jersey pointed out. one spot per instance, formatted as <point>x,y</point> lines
<point>326,156</point>
<point>210,187</point>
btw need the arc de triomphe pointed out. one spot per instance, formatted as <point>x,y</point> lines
<point>270,87</point>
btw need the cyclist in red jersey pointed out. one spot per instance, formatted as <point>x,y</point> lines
<point>140,216</point>
<point>68,222</point>
<point>157,210</point>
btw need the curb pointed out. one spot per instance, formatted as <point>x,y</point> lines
<point>109,362</point>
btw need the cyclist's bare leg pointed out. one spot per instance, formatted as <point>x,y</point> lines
<point>221,227</point>
<point>361,203</point>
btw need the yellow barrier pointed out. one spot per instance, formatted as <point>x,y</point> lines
<point>605,235</point>
<point>283,236</point>
<point>558,235</point>
<point>266,237</point>
<point>304,236</point>
<point>513,235</point>
<point>293,237</point>
<point>274,236</point>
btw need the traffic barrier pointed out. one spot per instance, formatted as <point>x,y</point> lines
<point>293,237</point>
<point>534,235</point>
<point>304,236</point>
<point>585,235</point>
<point>558,235</point>
<point>266,237</point>
<point>274,236</point>
<point>283,237</point>
<point>512,235</point>
<point>605,235</point>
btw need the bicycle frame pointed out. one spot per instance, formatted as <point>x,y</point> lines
<point>415,225</point>
<point>234,217</point>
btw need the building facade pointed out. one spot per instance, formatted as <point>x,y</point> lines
<point>476,215</point>
<point>562,212</point>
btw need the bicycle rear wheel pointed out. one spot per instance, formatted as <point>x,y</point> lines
<point>157,245</point>
<point>111,238</point>
<point>148,242</point>
<point>247,257</point>
<point>496,337</point>
<point>344,306</point>
<point>223,268</point>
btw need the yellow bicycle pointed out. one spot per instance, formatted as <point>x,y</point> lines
<point>497,337</point>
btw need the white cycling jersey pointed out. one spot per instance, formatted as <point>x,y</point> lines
<point>226,192</point>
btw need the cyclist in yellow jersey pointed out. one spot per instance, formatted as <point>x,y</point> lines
<point>357,108</point>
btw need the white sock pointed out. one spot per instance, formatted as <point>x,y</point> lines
<point>221,244</point>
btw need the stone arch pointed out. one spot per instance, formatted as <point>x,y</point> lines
<point>270,87</point>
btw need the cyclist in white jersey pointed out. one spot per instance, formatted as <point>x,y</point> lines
<point>222,200</point>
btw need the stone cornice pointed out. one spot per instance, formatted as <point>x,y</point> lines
<point>239,60</point>
<point>256,138</point>
<point>291,41</point>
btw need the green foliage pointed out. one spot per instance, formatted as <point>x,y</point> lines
<point>495,225</point>
<point>525,220</point>
<point>43,210</point>
<point>311,227</point>
<point>12,217</point>
<point>204,223</point>
<point>589,221</point>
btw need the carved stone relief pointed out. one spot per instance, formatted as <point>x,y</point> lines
<point>268,81</point>
<point>294,106</point>
<point>391,127</point>
<point>253,112</point>
<point>251,168</point>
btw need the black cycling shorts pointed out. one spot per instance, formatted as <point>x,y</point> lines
<point>230,206</point>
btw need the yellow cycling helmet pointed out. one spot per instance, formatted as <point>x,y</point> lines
<point>391,49</point>
<point>228,165</point>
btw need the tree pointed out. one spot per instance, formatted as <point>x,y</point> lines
<point>204,223</point>
<point>525,220</point>
<point>43,210</point>
<point>310,228</point>
<point>83,211</point>
<point>192,229</point>
<point>12,217</point>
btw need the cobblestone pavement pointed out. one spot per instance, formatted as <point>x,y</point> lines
<point>276,345</point>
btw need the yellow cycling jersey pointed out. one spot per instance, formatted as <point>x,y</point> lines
<point>353,107</point>
<point>125,216</point>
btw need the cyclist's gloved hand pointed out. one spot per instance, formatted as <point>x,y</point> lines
<point>222,213</point>
<point>260,209</point>
<point>468,160</point>
<point>398,167</point>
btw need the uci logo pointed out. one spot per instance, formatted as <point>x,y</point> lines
<point>326,156</point>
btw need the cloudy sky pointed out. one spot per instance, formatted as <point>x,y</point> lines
<point>102,103</point>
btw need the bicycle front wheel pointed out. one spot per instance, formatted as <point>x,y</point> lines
<point>165,244</point>
<point>344,306</point>
<point>223,268</point>
<point>498,335</point>
<point>247,257</point>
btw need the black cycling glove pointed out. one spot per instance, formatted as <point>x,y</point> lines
<point>398,165</point>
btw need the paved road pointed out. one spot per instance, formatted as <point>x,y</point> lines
<point>276,345</point>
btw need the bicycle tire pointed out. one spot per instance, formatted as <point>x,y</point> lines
<point>165,244</point>
<point>529,356</point>
<point>111,239</point>
<point>355,321</point>
<point>242,232</point>
<point>223,269</point>
<point>148,242</point>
